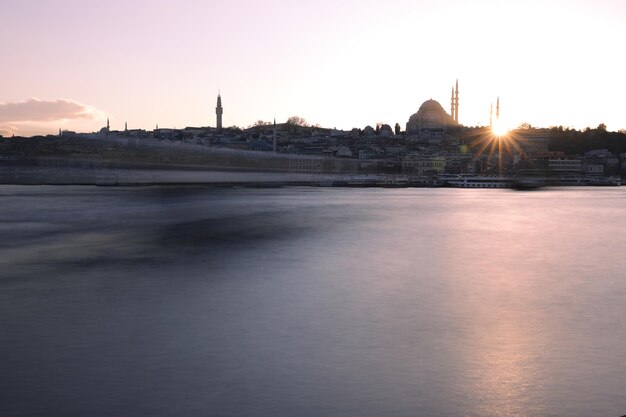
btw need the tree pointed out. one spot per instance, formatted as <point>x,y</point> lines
<point>297,121</point>
<point>294,123</point>
<point>397,129</point>
<point>525,126</point>
<point>260,123</point>
<point>602,126</point>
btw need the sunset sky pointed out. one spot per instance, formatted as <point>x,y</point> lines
<point>70,64</point>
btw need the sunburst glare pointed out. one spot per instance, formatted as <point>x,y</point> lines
<point>499,128</point>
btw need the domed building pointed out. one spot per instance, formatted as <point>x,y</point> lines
<point>430,116</point>
<point>432,120</point>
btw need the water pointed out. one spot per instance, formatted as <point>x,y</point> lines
<point>312,302</point>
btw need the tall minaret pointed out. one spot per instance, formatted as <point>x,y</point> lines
<point>108,125</point>
<point>456,103</point>
<point>125,126</point>
<point>491,115</point>
<point>498,109</point>
<point>274,136</point>
<point>219,111</point>
<point>452,103</point>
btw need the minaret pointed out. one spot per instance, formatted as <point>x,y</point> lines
<point>452,103</point>
<point>108,125</point>
<point>219,111</point>
<point>456,103</point>
<point>498,109</point>
<point>125,126</point>
<point>274,136</point>
<point>491,115</point>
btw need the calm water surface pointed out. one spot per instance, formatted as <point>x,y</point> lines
<point>312,302</point>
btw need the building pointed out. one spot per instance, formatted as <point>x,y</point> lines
<point>570,165</point>
<point>423,166</point>
<point>532,142</point>
<point>600,162</point>
<point>218,112</point>
<point>300,164</point>
<point>431,120</point>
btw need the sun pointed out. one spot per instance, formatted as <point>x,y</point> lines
<point>499,129</point>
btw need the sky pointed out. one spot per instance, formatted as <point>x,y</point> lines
<point>70,64</point>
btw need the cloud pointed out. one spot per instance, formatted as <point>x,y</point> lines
<point>35,110</point>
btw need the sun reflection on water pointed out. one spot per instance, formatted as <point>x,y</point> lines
<point>504,341</point>
<point>504,369</point>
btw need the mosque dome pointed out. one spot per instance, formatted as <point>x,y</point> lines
<point>431,105</point>
<point>430,115</point>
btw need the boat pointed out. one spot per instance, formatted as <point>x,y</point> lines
<point>479,181</point>
<point>528,183</point>
<point>573,180</point>
<point>614,180</point>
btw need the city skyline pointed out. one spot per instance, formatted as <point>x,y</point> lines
<point>343,66</point>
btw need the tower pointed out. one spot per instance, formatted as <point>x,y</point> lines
<point>498,109</point>
<point>108,125</point>
<point>452,103</point>
<point>219,111</point>
<point>274,136</point>
<point>125,126</point>
<point>491,115</point>
<point>456,103</point>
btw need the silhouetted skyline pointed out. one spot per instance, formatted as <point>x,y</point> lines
<point>340,65</point>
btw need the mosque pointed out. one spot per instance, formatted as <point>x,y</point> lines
<point>432,120</point>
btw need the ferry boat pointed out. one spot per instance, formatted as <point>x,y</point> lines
<point>614,180</point>
<point>529,183</point>
<point>479,181</point>
<point>577,180</point>
<point>573,180</point>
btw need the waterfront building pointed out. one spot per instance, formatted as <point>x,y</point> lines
<point>300,164</point>
<point>570,165</point>
<point>622,158</point>
<point>600,161</point>
<point>423,166</point>
<point>531,142</point>
<point>367,154</point>
<point>593,169</point>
